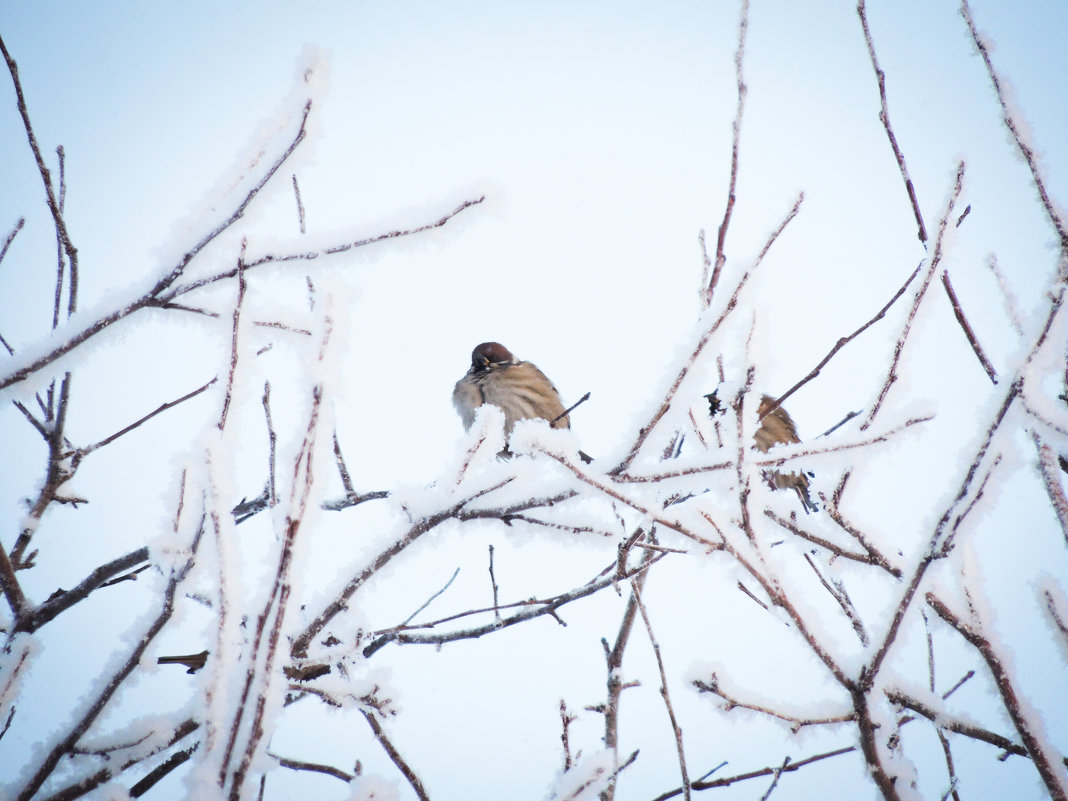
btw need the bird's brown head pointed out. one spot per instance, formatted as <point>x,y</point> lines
<point>490,354</point>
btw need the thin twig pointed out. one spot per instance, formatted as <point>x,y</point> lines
<point>1052,776</point>
<point>61,467</point>
<point>437,594</point>
<point>11,238</point>
<point>395,756</point>
<point>839,594</point>
<point>493,582</point>
<point>570,409</point>
<point>841,343</point>
<point>1007,296</point>
<point>1047,463</point>
<point>315,254</point>
<point>664,691</point>
<point>272,495</point>
<point>1019,138</point>
<point>736,133</point>
<point>937,540</point>
<point>278,596</point>
<point>757,774</point>
<point>782,600</point>
<point>884,117</point>
<point>60,259</point>
<point>156,296</point>
<point>646,430</point>
<point>102,698</point>
<point>314,767</point>
<point>241,286</point>
<point>64,599</point>
<point>775,780</point>
<point>111,769</point>
<point>302,641</point>
<point>711,686</point>
<point>566,719</point>
<point>935,261</point>
<point>300,203</point>
<point>162,408</point>
<point>536,609</point>
<point>46,178</point>
<point>346,480</point>
<point>966,327</point>
<point>614,666</point>
<point>837,550</point>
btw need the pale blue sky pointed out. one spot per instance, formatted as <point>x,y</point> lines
<point>600,134</point>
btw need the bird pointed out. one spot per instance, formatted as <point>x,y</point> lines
<point>778,428</point>
<point>517,388</point>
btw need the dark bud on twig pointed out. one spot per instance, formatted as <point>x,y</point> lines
<point>192,661</point>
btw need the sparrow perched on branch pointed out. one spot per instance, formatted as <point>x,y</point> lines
<point>519,389</point>
<point>778,429</point>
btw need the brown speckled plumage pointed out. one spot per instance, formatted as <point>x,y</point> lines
<point>778,429</point>
<point>517,388</point>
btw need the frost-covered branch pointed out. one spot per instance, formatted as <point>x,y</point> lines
<point>275,606</point>
<point>712,686</point>
<point>59,469</point>
<point>535,608</point>
<point>156,295</point>
<point>664,691</point>
<point>780,599</point>
<point>727,781</point>
<point>1038,748</point>
<point>869,557</point>
<point>946,721</point>
<point>8,240</point>
<point>62,600</point>
<point>736,130</point>
<point>311,255</point>
<point>110,771</point>
<point>884,117</point>
<point>614,663</point>
<point>732,303</point>
<point>932,266</point>
<point>395,757</point>
<point>841,343</point>
<point>87,449</point>
<point>1052,481</point>
<point>109,688</point>
<point>303,641</point>
<point>1025,147</point>
<point>966,327</point>
<point>55,206</point>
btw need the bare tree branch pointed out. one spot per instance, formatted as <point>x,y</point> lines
<point>156,295</point>
<point>159,410</point>
<point>841,343</point>
<point>46,178</point>
<point>884,117</point>
<point>758,774</point>
<point>1026,150</point>
<point>1053,777</point>
<point>736,131</point>
<point>63,600</point>
<point>98,704</point>
<point>647,429</point>
<point>935,260</point>
<point>395,756</point>
<point>1052,481</point>
<point>535,609</point>
<point>7,243</point>
<point>958,312</point>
